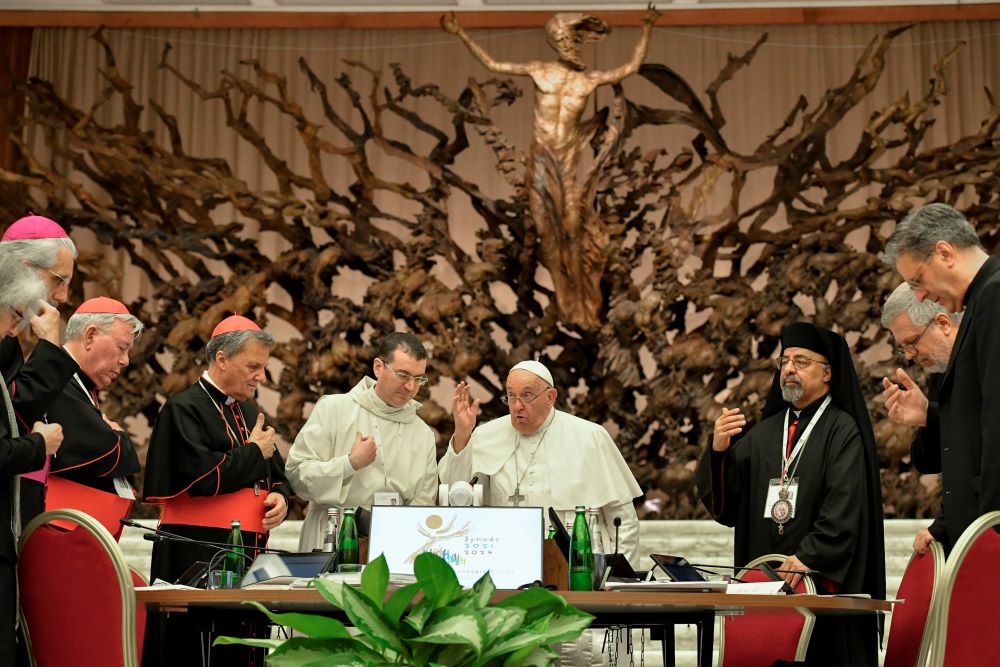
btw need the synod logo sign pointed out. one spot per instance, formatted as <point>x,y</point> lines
<point>504,541</point>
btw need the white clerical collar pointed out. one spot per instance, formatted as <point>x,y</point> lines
<point>208,378</point>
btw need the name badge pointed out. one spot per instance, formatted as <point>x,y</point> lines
<point>773,487</point>
<point>387,498</point>
<point>123,488</point>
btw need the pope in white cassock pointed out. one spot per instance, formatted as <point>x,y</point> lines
<point>543,457</point>
<point>367,446</point>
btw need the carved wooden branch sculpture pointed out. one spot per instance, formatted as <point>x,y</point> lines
<point>647,355</point>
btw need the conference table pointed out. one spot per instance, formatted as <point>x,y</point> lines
<point>659,610</point>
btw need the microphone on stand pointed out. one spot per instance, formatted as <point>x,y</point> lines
<point>157,535</point>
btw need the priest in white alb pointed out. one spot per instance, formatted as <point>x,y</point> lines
<point>543,457</point>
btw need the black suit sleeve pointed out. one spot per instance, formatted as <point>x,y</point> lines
<point>721,480</point>
<point>987,323</point>
<point>40,381</point>
<point>91,448</point>
<point>19,455</point>
<point>925,452</point>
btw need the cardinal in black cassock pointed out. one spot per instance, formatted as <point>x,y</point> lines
<point>96,452</point>
<point>210,461</point>
<point>815,441</point>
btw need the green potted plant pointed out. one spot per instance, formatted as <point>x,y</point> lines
<point>446,626</point>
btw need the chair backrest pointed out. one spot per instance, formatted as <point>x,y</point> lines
<point>760,638</point>
<point>911,629</point>
<point>966,621</point>
<point>77,600</point>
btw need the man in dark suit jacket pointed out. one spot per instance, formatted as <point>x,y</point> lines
<point>925,334</point>
<point>938,253</point>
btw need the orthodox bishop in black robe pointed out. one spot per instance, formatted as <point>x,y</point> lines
<point>836,528</point>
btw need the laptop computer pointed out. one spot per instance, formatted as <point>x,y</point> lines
<point>284,568</point>
<point>505,541</point>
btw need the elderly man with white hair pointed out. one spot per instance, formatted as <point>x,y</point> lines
<point>542,456</point>
<point>20,293</point>
<point>925,333</point>
<point>46,250</point>
<point>97,455</point>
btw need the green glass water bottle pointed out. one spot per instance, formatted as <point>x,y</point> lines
<point>348,557</point>
<point>234,561</point>
<point>581,559</point>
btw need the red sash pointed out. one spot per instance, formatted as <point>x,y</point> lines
<point>216,511</point>
<point>107,508</point>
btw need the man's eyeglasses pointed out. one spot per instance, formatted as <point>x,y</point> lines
<point>916,281</point>
<point>800,361</point>
<point>63,280</point>
<point>406,378</point>
<point>527,399</point>
<point>911,348</point>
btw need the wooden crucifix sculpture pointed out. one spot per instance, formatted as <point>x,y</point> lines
<point>573,239</point>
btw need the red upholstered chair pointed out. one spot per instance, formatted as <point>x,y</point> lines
<point>911,629</point>
<point>759,638</point>
<point>77,596</point>
<point>967,623</point>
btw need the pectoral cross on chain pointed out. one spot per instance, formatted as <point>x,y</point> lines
<point>516,497</point>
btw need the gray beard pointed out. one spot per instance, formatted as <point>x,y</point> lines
<point>792,392</point>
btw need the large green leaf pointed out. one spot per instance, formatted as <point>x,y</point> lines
<point>454,654</point>
<point>538,602</point>
<point>481,594</point>
<point>419,614</point>
<point>512,643</point>
<point>399,601</point>
<point>314,625</point>
<point>566,624</point>
<point>501,622</point>
<point>534,656</point>
<point>540,656</point>
<point>455,625</point>
<point>438,579</point>
<point>301,651</point>
<point>375,579</point>
<point>246,641</point>
<point>369,619</point>
<point>332,591</point>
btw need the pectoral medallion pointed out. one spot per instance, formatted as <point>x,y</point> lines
<point>781,510</point>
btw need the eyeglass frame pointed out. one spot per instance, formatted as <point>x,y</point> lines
<point>63,280</point>
<point>405,378</point>
<point>509,400</point>
<point>903,348</point>
<point>916,282</point>
<point>23,319</point>
<point>799,361</point>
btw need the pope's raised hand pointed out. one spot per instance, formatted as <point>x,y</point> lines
<point>729,423</point>
<point>464,410</point>
<point>907,405</point>
<point>263,437</point>
<point>363,451</point>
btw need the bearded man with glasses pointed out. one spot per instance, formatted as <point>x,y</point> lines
<point>925,333</point>
<point>44,247</point>
<point>543,457</point>
<point>367,446</point>
<point>804,482</point>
